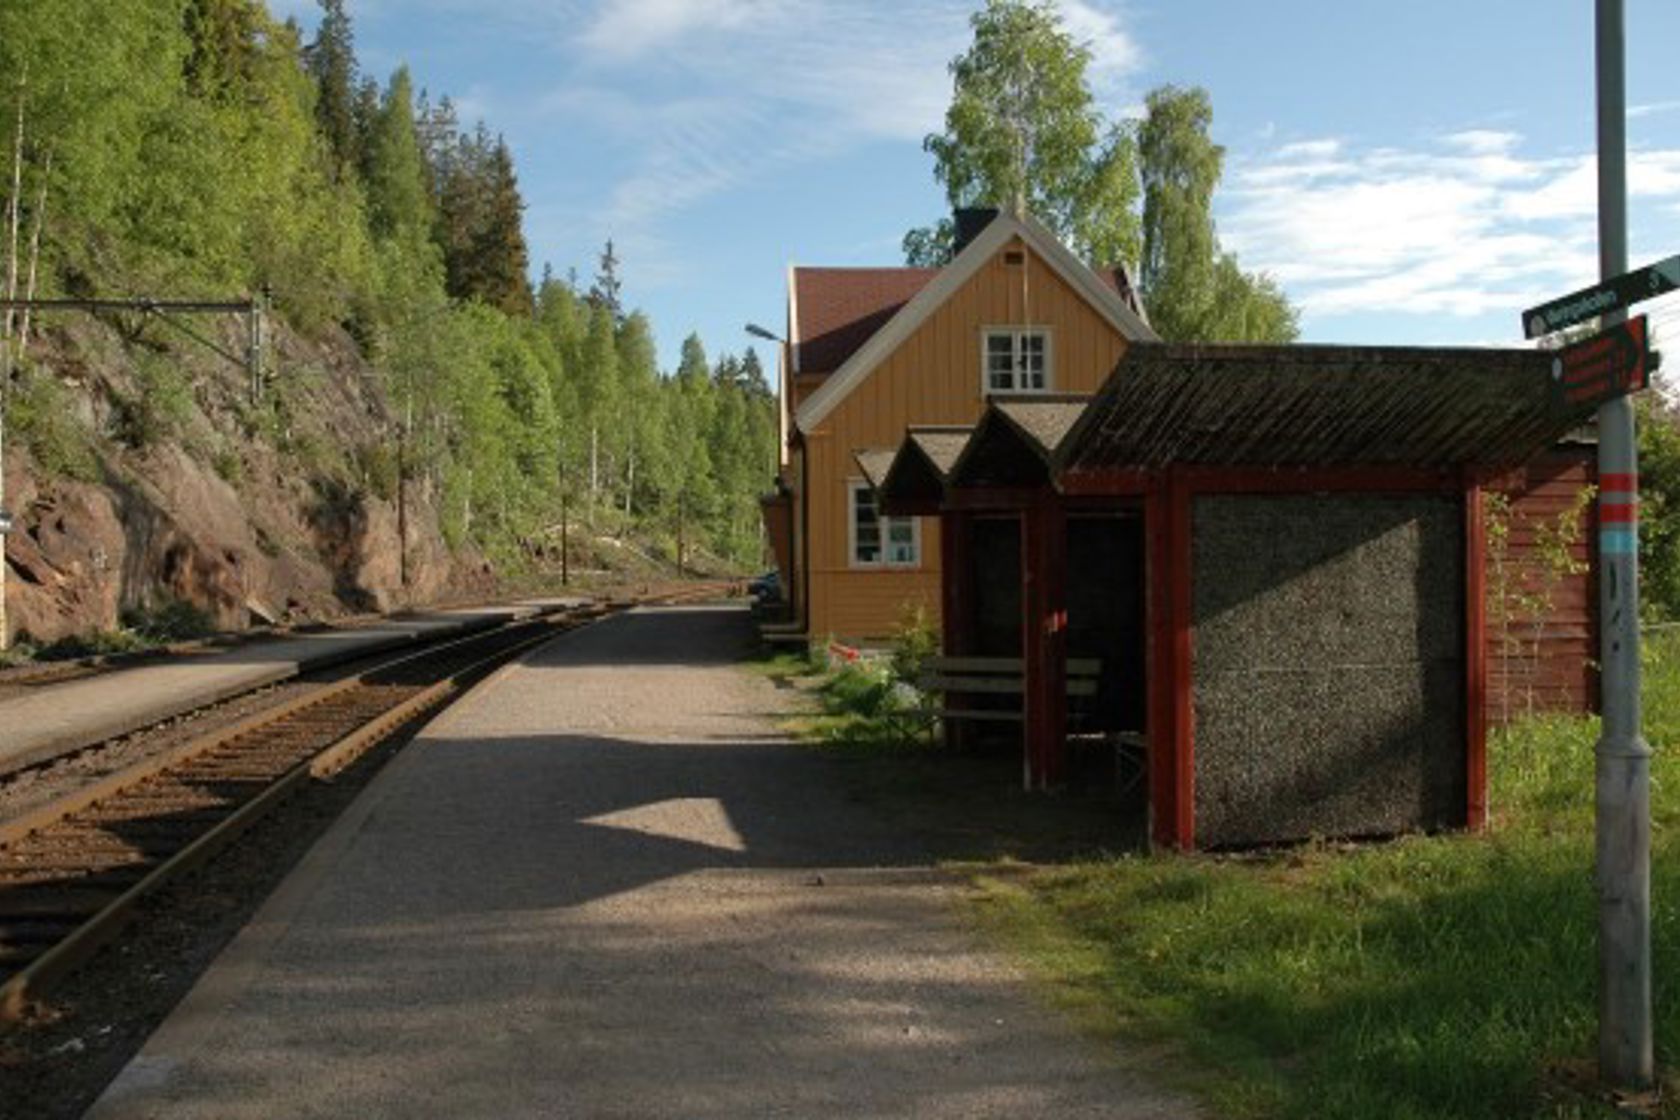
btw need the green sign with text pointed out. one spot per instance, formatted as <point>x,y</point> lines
<point>1613,294</point>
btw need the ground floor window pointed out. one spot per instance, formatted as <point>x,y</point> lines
<point>879,541</point>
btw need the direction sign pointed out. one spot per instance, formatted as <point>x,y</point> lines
<point>1607,365</point>
<point>1610,295</point>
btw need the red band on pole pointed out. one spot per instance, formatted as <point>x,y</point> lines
<point>1618,483</point>
<point>1618,514</point>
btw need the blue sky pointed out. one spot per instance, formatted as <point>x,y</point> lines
<point>1411,173</point>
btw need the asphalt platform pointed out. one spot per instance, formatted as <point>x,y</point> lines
<point>604,885</point>
<point>43,721</point>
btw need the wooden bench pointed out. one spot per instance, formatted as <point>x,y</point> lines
<point>997,676</point>
<point>1006,676</point>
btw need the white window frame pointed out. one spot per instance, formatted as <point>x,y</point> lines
<point>1016,333</point>
<point>884,523</point>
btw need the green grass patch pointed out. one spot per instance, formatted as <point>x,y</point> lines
<point>1446,976</point>
<point>1428,977</point>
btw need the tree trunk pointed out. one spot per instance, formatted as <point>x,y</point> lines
<point>40,218</point>
<point>12,213</point>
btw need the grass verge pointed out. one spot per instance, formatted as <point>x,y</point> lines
<point>1428,977</point>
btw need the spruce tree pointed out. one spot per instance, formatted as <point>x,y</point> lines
<point>608,289</point>
<point>331,60</point>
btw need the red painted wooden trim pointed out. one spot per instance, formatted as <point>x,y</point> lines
<point>1052,637</point>
<point>1475,659</point>
<point>1249,480</point>
<point>1033,714</point>
<point>955,598</point>
<point>1107,481</point>
<point>1184,731</point>
<point>1163,790</point>
<point>1012,498</point>
<point>1098,505</point>
<point>952,560</point>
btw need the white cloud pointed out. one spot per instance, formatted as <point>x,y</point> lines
<point>1652,108</point>
<point>1463,226</point>
<point>705,96</point>
<point>1114,53</point>
<point>628,28</point>
<point>1482,141</point>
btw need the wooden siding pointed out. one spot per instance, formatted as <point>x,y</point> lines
<point>1542,660</point>
<point>933,377</point>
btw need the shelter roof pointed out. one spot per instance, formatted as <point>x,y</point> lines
<point>874,462</point>
<point>1016,440</point>
<point>1319,406</point>
<point>915,480</point>
<point>941,444</point>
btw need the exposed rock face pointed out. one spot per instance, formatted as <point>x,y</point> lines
<point>276,543</point>
<point>66,557</point>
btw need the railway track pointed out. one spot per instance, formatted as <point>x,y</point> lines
<point>74,871</point>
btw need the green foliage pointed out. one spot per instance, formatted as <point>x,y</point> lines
<point>1194,290</point>
<point>1024,127</point>
<point>142,628</point>
<point>160,405</point>
<point>227,464</point>
<point>1521,587</point>
<point>331,59</point>
<point>1442,976</point>
<point>480,224</point>
<point>40,416</point>
<point>915,639</point>
<point>1659,507</point>
<point>364,210</point>
<point>172,620</point>
<point>1022,122</point>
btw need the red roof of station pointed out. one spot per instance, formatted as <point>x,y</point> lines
<point>838,309</point>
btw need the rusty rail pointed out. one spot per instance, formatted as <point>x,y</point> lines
<point>72,873</point>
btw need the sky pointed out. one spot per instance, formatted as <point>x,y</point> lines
<point>1412,173</point>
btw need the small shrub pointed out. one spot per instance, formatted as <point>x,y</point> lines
<point>161,406</point>
<point>915,639</point>
<point>376,464</point>
<point>39,414</point>
<point>227,463</point>
<point>173,620</point>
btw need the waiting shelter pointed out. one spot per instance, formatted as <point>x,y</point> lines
<point>1277,554</point>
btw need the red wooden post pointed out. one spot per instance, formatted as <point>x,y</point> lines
<point>1475,657</point>
<point>1183,721</point>
<point>1163,789</point>
<point>1051,638</point>
<point>1033,710</point>
<point>955,596</point>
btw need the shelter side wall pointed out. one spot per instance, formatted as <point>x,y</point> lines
<point>933,377</point>
<point>1542,588</point>
<point>1327,665</point>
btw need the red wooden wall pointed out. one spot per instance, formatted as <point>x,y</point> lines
<point>1542,661</point>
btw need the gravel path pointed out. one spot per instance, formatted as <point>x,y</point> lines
<point>603,886</point>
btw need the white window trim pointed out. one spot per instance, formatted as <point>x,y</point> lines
<point>986,333</point>
<point>853,485</point>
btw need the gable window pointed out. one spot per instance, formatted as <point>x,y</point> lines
<point>1017,359</point>
<point>879,541</point>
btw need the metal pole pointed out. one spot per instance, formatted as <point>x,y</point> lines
<point>1623,771</point>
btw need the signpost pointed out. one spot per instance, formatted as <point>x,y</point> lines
<point>1610,364</point>
<point>1617,293</point>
